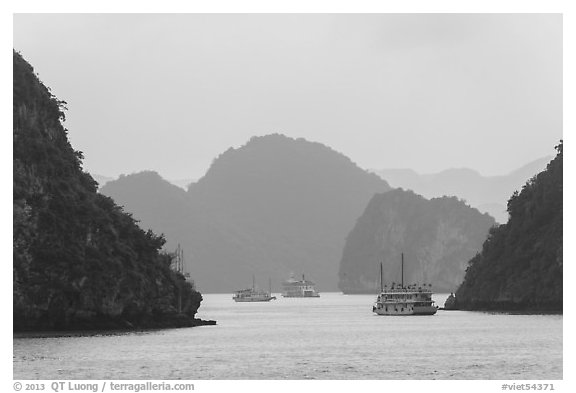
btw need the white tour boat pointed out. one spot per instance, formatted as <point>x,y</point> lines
<point>404,300</point>
<point>253,294</point>
<point>299,288</point>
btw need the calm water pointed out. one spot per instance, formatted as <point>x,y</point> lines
<point>332,337</point>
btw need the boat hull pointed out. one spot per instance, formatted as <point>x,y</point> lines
<point>249,300</point>
<point>417,310</point>
<point>301,295</point>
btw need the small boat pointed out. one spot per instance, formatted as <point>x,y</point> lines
<point>404,300</point>
<point>450,303</point>
<point>253,294</point>
<point>299,288</point>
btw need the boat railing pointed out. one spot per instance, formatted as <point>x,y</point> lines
<point>425,288</point>
<point>424,292</point>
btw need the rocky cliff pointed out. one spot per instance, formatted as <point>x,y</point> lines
<point>520,266</point>
<point>437,237</point>
<point>79,261</point>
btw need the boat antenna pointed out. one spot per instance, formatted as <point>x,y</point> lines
<point>381,288</point>
<point>270,285</point>
<point>253,285</point>
<point>402,271</point>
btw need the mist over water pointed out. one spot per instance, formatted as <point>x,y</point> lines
<point>332,337</point>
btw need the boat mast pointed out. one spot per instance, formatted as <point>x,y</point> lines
<point>381,287</point>
<point>270,285</point>
<point>253,286</point>
<point>402,271</point>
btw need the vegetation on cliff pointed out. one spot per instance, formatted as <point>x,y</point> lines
<point>520,266</point>
<point>437,237</point>
<point>79,261</point>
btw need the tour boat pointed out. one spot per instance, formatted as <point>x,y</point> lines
<point>253,294</point>
<point>404,300</point>
<point>299,288</point>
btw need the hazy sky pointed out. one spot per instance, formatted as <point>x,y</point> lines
<point>424,91</point>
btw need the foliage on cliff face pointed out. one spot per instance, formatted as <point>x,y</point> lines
<point>520,266</point>
<point>437,237</point>
<point>79,261</point>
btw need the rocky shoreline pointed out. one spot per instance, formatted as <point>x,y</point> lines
<point>510,307</point>
<point>105,327</point>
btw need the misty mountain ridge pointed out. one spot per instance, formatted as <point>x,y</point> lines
<point>487,193</point>
<point>101,179</point>
<point>278,205</point>
<point>273,206</point>
<point>182,183</point>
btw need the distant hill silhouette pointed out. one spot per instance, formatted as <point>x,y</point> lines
<point>437,237</point>
<point>157,204</point>
<point>182,183</point>
<point>271,207</point>
<point>487,193</point>
<point>521,263</point>
<point>102,180</point>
